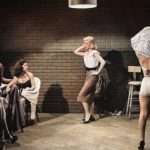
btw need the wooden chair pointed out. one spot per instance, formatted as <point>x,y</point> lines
<point>134,86</point>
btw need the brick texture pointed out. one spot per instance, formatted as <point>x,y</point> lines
<point>46,33</point>
<point>62,75</point>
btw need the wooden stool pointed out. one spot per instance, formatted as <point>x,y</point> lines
<point>133,97</point>
<point>134,86</point>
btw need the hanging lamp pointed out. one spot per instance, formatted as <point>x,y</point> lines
<point>82,4</point>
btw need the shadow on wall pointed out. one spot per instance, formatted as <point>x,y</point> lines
<point>54,100</point>
<point>116,92</point>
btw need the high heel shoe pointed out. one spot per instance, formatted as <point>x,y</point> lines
<point>14,139</point>
<point>2,143</point>
<point>91,119</point>
<point>87,121</point>
<point>141,146</point>
<point>31,122</point>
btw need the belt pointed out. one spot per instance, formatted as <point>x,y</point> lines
<point>90,68</point>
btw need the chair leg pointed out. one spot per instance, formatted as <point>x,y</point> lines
<point>128,102</point>
<point>22,130</point>
<point>37,117</point>
<point>130,105</point>
<point>27,113</point>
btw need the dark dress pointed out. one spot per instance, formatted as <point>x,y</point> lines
<point>13,111</point>
<point>10,121</point>
<point>22,86</point>
<point>10,114</point>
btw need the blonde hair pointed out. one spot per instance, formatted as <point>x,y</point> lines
<point>91,40</point>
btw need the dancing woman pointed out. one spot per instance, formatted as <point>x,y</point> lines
<point>94,63</point>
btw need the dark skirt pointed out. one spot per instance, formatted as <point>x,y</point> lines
<point>9,120</point>
<point>13,111</point>
<point>87,92</point>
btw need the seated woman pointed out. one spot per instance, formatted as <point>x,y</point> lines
<point>8,111</point>
<point>23,78</point>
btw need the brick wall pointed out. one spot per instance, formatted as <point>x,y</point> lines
<point>62,75</point>
<point>46,33</point>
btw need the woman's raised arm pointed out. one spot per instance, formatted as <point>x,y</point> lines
<point>80,50</point>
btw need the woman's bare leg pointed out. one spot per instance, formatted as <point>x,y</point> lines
<point>22,109</point>
<point>33,111</point>
<point>144,103</point>
<point>84,94</point>
<point>92,109</point>
<point>87,111</point>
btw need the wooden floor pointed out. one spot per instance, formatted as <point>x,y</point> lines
<point>67,132</point>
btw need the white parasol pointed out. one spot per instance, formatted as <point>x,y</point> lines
<point>141,42</point>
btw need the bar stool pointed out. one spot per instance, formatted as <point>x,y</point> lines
<point>134,86</point>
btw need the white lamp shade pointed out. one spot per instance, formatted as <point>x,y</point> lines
<point>82,4</point>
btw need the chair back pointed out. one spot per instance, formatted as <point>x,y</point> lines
<point>37,83</point>
<point>134,70</point>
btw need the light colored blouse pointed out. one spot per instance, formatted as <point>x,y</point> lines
<point>90,60</point>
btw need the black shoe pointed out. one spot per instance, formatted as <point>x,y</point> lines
<point>31,122</point>
<point>141,146</point>
<point>14,139</point>
<point>88,121</point>
<point>2,143</point>
<point>83,119</point>
<point>92,118</point>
